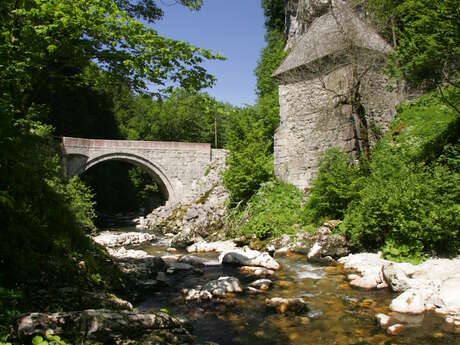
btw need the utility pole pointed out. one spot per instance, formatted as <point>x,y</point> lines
<point>215,131</point>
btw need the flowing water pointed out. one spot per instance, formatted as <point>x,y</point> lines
<point>338,313</point>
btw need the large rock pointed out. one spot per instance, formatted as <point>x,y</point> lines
<point>329,244</point>
<point>382,320</point>
<point>395,277</point>
<point>261,284</point>
<point>197,219</point>
<point>141,271</point>
<point>192,260</point>
<point>437,270</point>
<point>369,266</point>
<point>112,239</point>
<point>257,271</point>
<point>431,285</point>
<point>178,266</point>
<point>102,325</point>
<point>185,238</point>
<point>123,253</point>
<point>449,295</point>
<point>322,245</point>
<point>217,246</point>
<point>411,302</point>
<point>214,289</point>
<point>248,257</point>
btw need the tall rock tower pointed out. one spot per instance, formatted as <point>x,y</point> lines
<point>332,90</point>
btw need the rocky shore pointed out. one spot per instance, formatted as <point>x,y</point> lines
<point>430,286</point>
<point>433,285</point>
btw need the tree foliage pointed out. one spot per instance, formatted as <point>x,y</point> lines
<point>427,51</point>
<point>59,62</point>
<point>274,12</point>
<point>181,116</point>
<point>335,187</point>
<point>271,57</point>
<point>250,162</point>
<point>149,11</point>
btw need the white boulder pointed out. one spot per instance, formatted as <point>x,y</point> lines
<point>205,247</point>
<point>411,302</point>
<point>248,257</point>
<point>112,240</point>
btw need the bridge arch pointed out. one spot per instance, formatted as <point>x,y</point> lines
<point>176,166</point>
<point>154,170</point>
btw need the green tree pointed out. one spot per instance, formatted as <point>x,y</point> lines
<point>336,185</point>
<point>426,39</point>
<point>249,131</point>
<point>274,12</point>
<point>181,116</point>
<point>271,57</point>
<point>250,162</point>
<point>49,48</point>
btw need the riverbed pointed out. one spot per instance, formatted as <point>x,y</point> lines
<point>338,314</point>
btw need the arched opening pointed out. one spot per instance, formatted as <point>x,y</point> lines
<point>126,186</point>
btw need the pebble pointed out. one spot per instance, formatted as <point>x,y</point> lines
<point>395,329</point>
<point>382,320</point>
<point>257,271</point>
<point>261,284</point>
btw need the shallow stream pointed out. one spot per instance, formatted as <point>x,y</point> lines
<point>338,313</point>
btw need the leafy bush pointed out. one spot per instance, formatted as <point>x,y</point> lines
<point>49,339</point>
<point>274,210</point>
<point>336,185</point>
<point>9,301</point>
<point>408,203</point>
<point>406,199</point>
<point>422,129</point>
<point>80,199</point>
<point>401,252</point>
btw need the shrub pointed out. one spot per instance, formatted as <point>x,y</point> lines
<point>9,310</point>
<point>81,202</point>
<point>274,210</point>
<point>409,203</point>
<point>336,185</point>
<point>406,199</point>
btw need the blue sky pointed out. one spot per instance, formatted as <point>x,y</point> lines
<point>234,28</point>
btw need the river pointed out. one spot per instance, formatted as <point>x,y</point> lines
<point>338,313</point>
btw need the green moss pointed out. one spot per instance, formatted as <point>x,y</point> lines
<point>205,196</point>
<point>178,214</point>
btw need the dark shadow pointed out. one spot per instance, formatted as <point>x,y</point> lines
<point>123,191</point>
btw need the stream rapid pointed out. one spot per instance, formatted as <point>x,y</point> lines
<point>338,314</point>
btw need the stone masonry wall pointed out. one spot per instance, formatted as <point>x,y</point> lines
<point>311,121</point>
<point>176,166</point>
<point>315,115</point>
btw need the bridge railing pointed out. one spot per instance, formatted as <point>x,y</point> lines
<point>133,144</point>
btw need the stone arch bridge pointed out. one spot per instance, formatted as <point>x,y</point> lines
<point>176,166</point>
